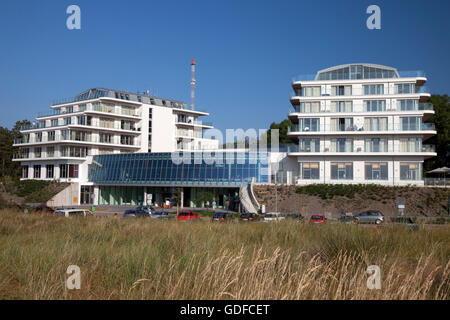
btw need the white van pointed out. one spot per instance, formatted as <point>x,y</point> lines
<point>273,216</point>
<point>72,212</point>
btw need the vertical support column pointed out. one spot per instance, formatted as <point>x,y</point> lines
<point>96,195</point>
<point>182,198</point>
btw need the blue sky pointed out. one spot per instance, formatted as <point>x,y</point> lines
<point>247,51</point>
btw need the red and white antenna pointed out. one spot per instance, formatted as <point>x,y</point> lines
<point>192,82</point>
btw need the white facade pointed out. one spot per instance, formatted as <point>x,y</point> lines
<point>361,123</point>
<point>102,121</point>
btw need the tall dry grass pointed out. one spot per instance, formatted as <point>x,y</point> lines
<point>146,259</point>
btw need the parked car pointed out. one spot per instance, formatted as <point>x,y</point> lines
<point>273,216</point>
<point>347,219</point>
<point>43,209</point>
<point>159,214</point>
<point>317,219</point>
<point>247,216</point>
<point>187,215</point>
<point>220,216</point>
<point>370,216</point>
<point>72,212</point>
<point>133,213</point>
<point>144,209</point>
<point>410,224</point>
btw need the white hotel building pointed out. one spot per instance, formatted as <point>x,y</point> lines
<point>360,123</point>
<point>103,121</point>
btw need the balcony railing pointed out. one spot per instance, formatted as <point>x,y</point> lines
<point>59,138</point>
<point>437,181</point>
<point>402,74</point>
<point>389,127</point>
<point>365,92</point>
<point>91,108</point>
<point>327,109</point>
<point>115,126</point>
<point>297,149</point>
<point>196,122</point>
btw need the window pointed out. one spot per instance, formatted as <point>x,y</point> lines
<point>128,111</point>
<point>128,140</point>
<point>311,91</point>
<point>376,124</point>
<point>24,172</point>
<point>342,170</point>
<point>37,171</point>
<point>106,123</point>
<point>68,171</point>
<point>407,105</point>
<point>376,145</point>
<point>51,136</point>
<point>50,152</point>
<point>39,137</point>
<point>376,170</point>
<point>342,145</point>
<point>373,89</point>
<point>410,123</point>
<point>81,120</point>
<point>405,88</point>
<point>410,170</point>
<point>126,125</point>
<point>49,169</point>
<point>309,124</point>
<point>106,138</point>
<point>41,124</point>
<point>341,106</point>
<point>309,145</point>
<point>37,152</point>
<point>374,105</point>
<point>67,121</point>
<point>54,122</point>
<point>308,107</point>
<point>77,152</point>
<point>411,145</point>
<point>342,124</point>
<point>341,90</point>
<point>82,107</point>
<point>309,170</point>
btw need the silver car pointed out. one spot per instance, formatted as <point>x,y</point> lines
<point>161,215</point>
<point>370,216</point>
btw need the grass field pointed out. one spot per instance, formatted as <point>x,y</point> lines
<point>147,259</point>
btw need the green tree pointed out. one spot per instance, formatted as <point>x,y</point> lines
<point>7,166</point>
<point>283,130</point>
<point>441,119</point>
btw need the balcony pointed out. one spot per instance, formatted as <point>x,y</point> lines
<point>366,92</point>
<point>60,138</point>
<point>295,148</point>
<point>373,75</point>
<point>99,107</point>
<point>194,122</point>
<point>353,129</point>
<point>327,109</point>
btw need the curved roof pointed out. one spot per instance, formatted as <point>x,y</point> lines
<point>357,71</point>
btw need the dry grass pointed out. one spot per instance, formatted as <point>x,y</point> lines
<point>145,259</point>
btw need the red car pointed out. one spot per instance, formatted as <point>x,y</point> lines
<point>188,215</point>
<point>318,218</point>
